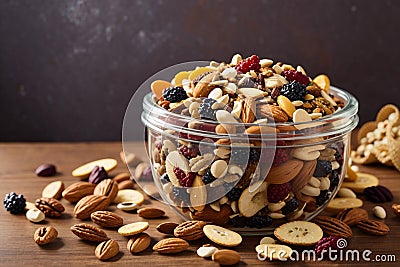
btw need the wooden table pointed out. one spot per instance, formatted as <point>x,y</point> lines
<point>17,248</point>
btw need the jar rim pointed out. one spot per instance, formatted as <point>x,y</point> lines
<point>339,122</point>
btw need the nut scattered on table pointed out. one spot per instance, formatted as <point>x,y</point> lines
<point>45,235</point>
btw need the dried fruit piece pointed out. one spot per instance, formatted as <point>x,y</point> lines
<point>250,63</point>
<point>222,236</point>
<point>326,243</point>
<point>338,204</point>
<point>364,180</point>
<point>14,203</point>
<point>278,192</point>
<point>251,202</point>
<point>293,75</point>
<point>294,91</point>
<point>323,82</point>
<point>299,233</point>
<point>133,228</point>
<point>378,194</point>
<point>174,94</point>
<point>46,170</point>
<point>85,170</point>
<point>97,175</point>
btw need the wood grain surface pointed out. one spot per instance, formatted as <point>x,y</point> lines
<point>17,248</point>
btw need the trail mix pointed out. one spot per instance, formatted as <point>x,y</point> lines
<point>227,183</point>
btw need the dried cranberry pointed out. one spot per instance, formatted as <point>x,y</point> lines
<point>278,192</point>
<point>281,156</point>
<point>325,243</point>
<point>250,63</point>
<point>292,75</point>
<point>185,180</point>
<point>189,152</point>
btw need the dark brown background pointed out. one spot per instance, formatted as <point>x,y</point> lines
<point>69,68</point>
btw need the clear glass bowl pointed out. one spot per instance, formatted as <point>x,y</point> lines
<point>263,180</point>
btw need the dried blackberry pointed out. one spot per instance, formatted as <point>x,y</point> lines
<point>258,221</point>
<point>323,197</point>
<point>237,221</point>
<point>15,204</point>
<point>278,192</point>
<point>323,168</point>
<point>244,156</point>
<point>290,206</point>
<point>205,110</point>
<point>208,177</point>
<point>234,194</point>
<point>174,94</point>
<point>334,180</point>
<point>294,91</point>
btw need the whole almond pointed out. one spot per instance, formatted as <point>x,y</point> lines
<point>123,176</point>
<point>44,235</point>
<point>373,227</point>
<point>127,184</point>
<point>171,245</point>
<point>226,257</point>
<point>333,226</point>
<point>203,87</point>
<point>108,188</point>
<point>150,213</point>
<point>139,243</point>
<point>167,228</point>
<point>53,190</point>
<point>107,249</point>
<point>285,172</point>
<point>90,204</point>
<point>89,232</point>
<point>190,230</point>
<point>50,206</point>
<point>76,191</point>
<point>107,219</point>
<point>352,216</point>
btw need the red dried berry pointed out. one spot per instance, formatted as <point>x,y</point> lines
<point>281,156</point>
<point>250,63</point>
<point>188,180</point>
<point>189,152</point>
<point>278,192</point>
<point>185,180</point>
<point>326,243</point>
<point>292,75</point>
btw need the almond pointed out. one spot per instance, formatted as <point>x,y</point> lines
<point>167,228</point>
<point>203,87</point>
<point>150,213</point>
<point>352,216</point>
<point>90,204</point>
<point>304,176</point>
<point>139,243</point>
<point>107,249</point>
<point>171,245</point>
<point>76,191</point>
<point>127,184</point>
<point>190,230</point>
<point>108,188</point>
<point>226,257</point>
<point>271,112</point>
<point>248,110</point>
<point>333,226</point>
<point>285,172</point>
<point>123,176</point>
<point>107,219</point>
<point>373,227</point>
<point>53,190</point>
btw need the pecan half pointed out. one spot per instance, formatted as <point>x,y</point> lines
<point>90,204</point>
<point>107,219</point>
<point>333,226</point>
<point>352,216</point>
<point>89,232</point>
<point>107,249</point>
<point>190,230</point>
<point>49,206</point>
<point>108,188</point>
<point>44,235</point>
<point>373,227</point>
